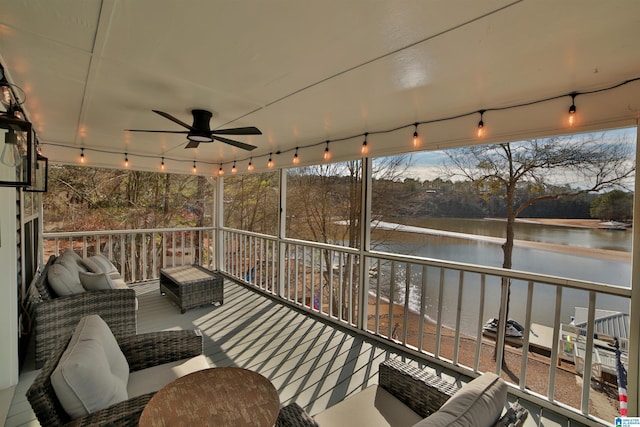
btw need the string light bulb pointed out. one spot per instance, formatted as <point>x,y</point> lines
<point>572,110</point>
<point>481,130</point>
<point>233,168</point>
<point>327,153</point>
<point>220,171</point>
<point>296,159</point>
<point>365,148</point>
<point>126,160</point>
<point>195,169</point>
<point>82,159</point>
<point>162,164</point>
<point>416,138</point>
<point>250,166</point>
<point>270,163</point>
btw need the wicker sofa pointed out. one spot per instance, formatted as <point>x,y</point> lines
<point>53,317</point>
<point>156,358</point>
<point>408,396</point>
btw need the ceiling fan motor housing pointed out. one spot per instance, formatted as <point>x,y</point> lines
<point>200,130</point>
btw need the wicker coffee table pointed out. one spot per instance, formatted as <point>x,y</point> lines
<point>222,397</point>
<point>191,286</point>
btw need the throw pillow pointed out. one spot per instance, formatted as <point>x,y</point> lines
<point>96,281</point>
<point>71,261</point>
<point>478,403</point>
<point>92,373</point>
<point>90,265</point>
<point>103,264</point>
<point>62,281</point>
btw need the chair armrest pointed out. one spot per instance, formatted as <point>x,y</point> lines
<point>125,413</point>
<point>293,415</point>
<point>514,417</point>
<point>146,350</point>
<point>54,320</point>
<point>421,391</point>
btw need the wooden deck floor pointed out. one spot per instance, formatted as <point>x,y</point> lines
<point>310,362</point>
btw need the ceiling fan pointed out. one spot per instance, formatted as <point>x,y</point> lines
<point>200,131</point>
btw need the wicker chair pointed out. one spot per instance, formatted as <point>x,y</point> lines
<point>142,351</point>
<point>422,392</point>
<point>53,317</point>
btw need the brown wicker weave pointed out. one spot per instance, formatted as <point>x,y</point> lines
<point>421,391</point>
<point>53,318</point>
<point>141,351</point>
<point>191,286</point>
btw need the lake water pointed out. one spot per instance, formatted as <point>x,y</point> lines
<point>562,263</point>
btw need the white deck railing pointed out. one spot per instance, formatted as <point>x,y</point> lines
<point>353,288</point>
<point>138,254</point>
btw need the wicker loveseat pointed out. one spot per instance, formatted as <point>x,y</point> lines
<point>154,359</point>
<point>408,396</point>
<point>53,317</point>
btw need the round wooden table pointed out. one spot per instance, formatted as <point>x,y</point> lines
<point>225,397</point>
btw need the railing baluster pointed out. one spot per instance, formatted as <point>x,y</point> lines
<point>423,307</point>
<point>588,354</point>
<point>407,291</point>
<point>439,314</point>
<point>476,359</point>
<point>525,343</point>
<point>392,287</point>
<point>456,341</point>
<point>554,345</point>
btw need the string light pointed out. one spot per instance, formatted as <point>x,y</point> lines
<point>480,132</point>
<point>162,164</point>
<point>327,153</point>
<point>365,148</point>
<point>82,159</point>
<point>126,160</point>
<point>194,170</point>
<point>220,171</point>
<point>416,139</point>
<point>572,110</point>
<point>233,168</point>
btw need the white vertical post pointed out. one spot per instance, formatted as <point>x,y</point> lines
<point>282,223</point>
<point>219,223</point>
<point>633,408</point>
<point>365,243</point>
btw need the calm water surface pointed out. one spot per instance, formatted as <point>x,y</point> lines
<point>563,264</point>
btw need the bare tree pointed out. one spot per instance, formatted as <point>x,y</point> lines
<point>591,163</point>
<point>324,205</point>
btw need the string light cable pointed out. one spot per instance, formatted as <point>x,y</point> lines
<point>482,112</point>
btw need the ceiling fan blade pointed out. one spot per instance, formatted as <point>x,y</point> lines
<point>238,144</point>
<point>192,144</point>
<point>251,130</point>
<point>173,119</point>
<point>157,131</point>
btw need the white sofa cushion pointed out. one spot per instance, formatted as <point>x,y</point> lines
<point>92,373</point>
<point>154,378</point>
<point>374,406</point>
<point>63,281</point>
<point>478,403</point>
<point>96,281</point>
<point>100,264</point>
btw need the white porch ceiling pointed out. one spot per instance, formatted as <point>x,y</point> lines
<point>305,72</point>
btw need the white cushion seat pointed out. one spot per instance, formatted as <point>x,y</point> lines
<point>93,373</point>
<point>154,378</point>
<point>478,403</point>
<point>372,407</point>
